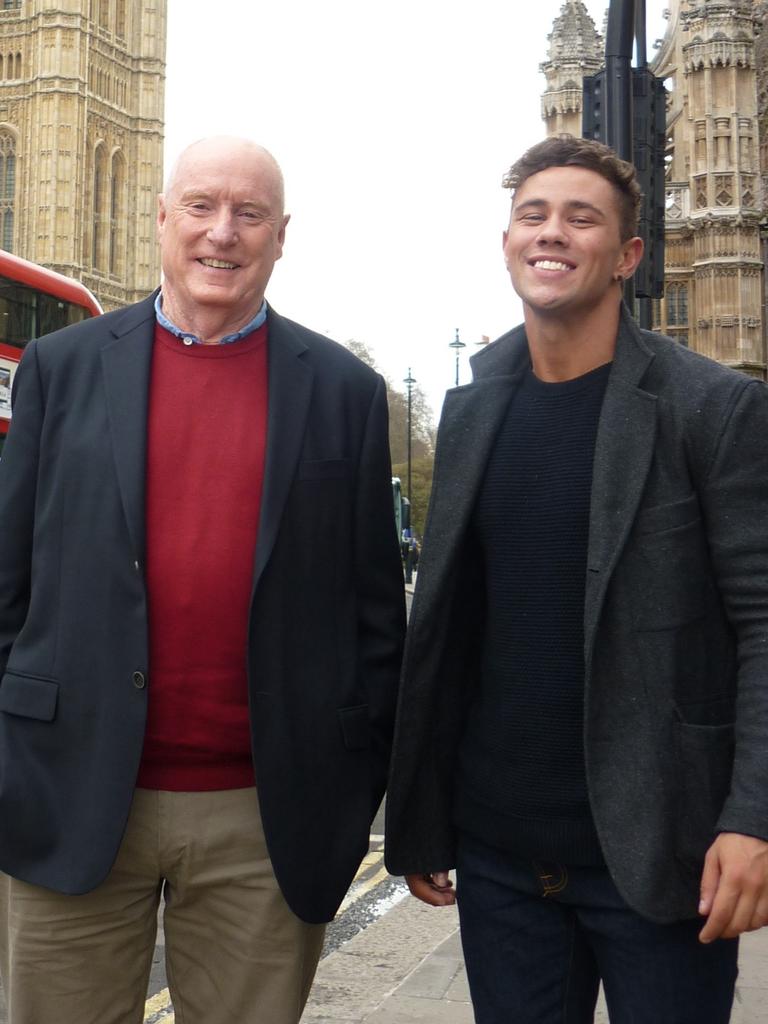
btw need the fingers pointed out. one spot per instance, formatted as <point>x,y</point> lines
<point>722,915</point>
<point>434,888</point>
<point>734,887</point>
<point>759,917</point>
<point>733,913</point>
<point>442,880</point>
<point>710,880</point>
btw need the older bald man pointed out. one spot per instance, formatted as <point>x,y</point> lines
<point>201,618</point>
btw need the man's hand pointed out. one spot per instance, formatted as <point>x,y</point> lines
<point>734,887</point>
<point>434,888</point>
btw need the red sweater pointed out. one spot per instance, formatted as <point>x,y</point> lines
<point>206,440</point>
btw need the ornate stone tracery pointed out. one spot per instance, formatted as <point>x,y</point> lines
<point>575,49</point>
<point>88,123</point>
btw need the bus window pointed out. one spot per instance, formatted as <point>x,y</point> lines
<point>26,313</point>
<point>33,301</point>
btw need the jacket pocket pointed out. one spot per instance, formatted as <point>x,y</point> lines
<point>355,727</point>
<point>667,562</point>
<point>706,762</point>
<point>29,696</point>
<point>670,516</point>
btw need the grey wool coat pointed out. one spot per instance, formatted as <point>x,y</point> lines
<point>675,619</point>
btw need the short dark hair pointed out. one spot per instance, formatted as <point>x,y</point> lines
<point>568,151</point>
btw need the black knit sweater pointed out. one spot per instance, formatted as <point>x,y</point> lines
<point>521,782</point>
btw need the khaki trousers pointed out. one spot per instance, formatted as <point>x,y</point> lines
<point>235,953</point>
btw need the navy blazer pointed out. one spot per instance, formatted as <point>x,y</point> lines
<point>326,620</point>
<point>675,618</point>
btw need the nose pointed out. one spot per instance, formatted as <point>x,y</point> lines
<point>223,229</point>
<point>552,231</point>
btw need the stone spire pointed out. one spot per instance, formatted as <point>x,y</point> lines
<point>576,49</point>
<point>714,276</point>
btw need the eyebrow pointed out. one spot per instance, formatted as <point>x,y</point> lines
<point>571,204</point>
<point>194,194</point>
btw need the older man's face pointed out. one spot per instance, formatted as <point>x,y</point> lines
<point>221,228</point>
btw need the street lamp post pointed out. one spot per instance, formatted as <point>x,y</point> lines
<point>409,381</point>
<point>458,345</point>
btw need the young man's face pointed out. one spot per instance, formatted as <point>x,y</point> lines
<point>563,248</point>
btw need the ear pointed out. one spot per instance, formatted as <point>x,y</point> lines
<point>629,260</point>
<point>281,236</point>
<point>160,212</point>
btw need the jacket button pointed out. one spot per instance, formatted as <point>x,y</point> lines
<point>139,681</point>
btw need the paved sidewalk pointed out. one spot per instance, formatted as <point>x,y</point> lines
<point>407,968</point>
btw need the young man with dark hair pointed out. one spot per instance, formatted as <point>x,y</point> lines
<point>583,722</point>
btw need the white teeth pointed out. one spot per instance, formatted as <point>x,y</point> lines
<point>218,264</point>
<point>551,265</point>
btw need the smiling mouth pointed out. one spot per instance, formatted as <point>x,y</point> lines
<point>218,264</point>
<point>546,264</point>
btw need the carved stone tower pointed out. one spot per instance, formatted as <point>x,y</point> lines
<point>717,173</point>
<point>576,49</point>
<point>81,139</point>
<point>715,201</point>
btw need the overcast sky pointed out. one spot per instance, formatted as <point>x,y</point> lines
<point>393,123</point>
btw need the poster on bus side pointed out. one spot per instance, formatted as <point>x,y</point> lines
<point>7,370</point>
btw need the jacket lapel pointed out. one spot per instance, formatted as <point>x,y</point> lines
<point>290,390</point>
<point>623,453</point>
<point>126,361</point>
<point>469,425</point>
<point>472,417</point>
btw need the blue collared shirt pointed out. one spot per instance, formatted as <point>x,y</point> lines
<point>192,339</point>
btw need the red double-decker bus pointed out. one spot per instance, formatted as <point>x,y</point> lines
<point>33,301</point>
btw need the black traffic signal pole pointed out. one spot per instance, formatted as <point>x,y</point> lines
<point>619,38</point>
<point>625,108</point>
<point>640,47</point>
<point>651,93</point>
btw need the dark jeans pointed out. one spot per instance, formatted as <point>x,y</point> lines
<point>539,938</point>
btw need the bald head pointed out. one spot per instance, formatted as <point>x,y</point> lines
<point>228,149</point>
<point>221,228</point>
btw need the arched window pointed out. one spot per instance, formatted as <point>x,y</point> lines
<point>677,305</point>
<point>99,209</point>
<point>656,314</point>
<point>18,66</point>
<point>116,214</point>
<point>7,188</point>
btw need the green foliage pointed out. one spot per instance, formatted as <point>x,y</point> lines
<point>422,424</point>
<point>422,437</point>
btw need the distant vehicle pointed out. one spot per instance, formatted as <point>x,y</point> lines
<point>33,301</point>
<point>402,507</point>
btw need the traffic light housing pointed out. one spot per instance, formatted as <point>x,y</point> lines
<point>649,132</point>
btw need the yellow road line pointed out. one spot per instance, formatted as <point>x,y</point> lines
<point>358,889</point>
<point>158,1009</point>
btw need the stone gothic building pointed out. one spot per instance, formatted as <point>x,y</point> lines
<point>81,139</point>
<point>713,58</point>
